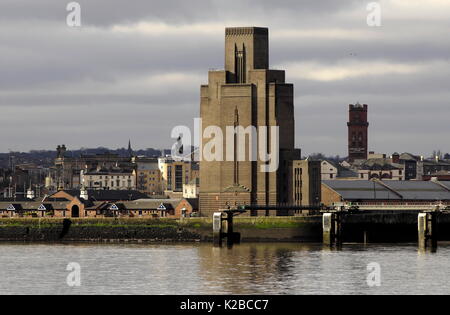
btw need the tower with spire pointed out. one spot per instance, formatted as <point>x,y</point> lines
<point>130,150</point>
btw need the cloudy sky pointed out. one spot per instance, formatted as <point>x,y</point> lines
<point>133,70</point>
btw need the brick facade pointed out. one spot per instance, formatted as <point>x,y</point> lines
<point>358,132</point>
<point>247,93</point>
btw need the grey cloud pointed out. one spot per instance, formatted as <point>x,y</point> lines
<point>108,12</point>
<point>71,85</point>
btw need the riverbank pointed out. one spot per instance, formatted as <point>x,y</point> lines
<point>262,229</point>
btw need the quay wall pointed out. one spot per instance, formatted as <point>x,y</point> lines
<point>273,229</point>
<point>373,228</point>
<point>387,227</point>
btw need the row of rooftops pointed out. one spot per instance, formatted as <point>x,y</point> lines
<point>92,194</point>
<point>96,200</point>
<point>346,170</point>
<point>33,206</point>
<point>391,190</point>
<point>106,195</point>
<point>135,205</point>
<point>108,171</point>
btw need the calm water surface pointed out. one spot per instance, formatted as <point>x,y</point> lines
<point>202,269</point>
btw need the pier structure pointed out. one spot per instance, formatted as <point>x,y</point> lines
<point>219,227</point>
<point>427,223</point>
<point>427,220</point>
<point>332,228</point>
<point>359,218</point>
<point>221,230</point>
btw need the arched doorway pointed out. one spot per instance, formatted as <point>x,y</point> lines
<point>75,212</point>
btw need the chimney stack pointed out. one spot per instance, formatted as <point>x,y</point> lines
<point>396,158</point>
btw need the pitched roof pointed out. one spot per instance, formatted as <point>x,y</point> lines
<point>17,198</point>
<point>409,157</point>
<point>419,190</point>
<point>445,183</point>
<point>360,189</point>
<point>332,163</point>
<point>390,190</point>
<point>380,164</point>
<point>33,206</point>
<point>109,195</point>
<point>152,204</point>
<point>193,202</point>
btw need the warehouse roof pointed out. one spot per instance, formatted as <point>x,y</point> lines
<point>390,190</point>
<point>419,190</point>
<point>360,189</point>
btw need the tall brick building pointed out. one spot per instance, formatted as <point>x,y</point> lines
<point>357,132</point>
<point>247,93</point>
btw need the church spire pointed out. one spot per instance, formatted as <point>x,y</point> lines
<point>130,150</point>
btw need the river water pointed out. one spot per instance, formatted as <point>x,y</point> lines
<point>202,269</point>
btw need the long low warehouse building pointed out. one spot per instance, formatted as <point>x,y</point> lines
<point>395,193</point>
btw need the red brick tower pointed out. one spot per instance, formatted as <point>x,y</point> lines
<point>357,132</point>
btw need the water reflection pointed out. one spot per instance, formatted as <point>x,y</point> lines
<point>248,269</point>
<point>204,269</point>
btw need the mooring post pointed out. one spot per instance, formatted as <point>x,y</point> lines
<point>230,233</point>
<point>428,229</point>
<point>366,239</point>
<point>433,223</point>
<point>332,228</point>
<point>338,227</point>
<point>328,226</point>
<point>422,229</point>
<point>217,229</point>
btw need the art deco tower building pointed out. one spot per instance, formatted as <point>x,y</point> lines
<point>246,93</point>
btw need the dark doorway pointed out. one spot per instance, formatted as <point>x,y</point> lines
<point>75,212</point>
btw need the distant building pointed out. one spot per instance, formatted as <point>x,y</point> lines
<point>357,132</point>
<point>400,193</point>
<point>108,179</point>
<point>412,165</point>
<point>148,176</point>
<point>130,150</point>
<point>334,171</point>
<point>175,174</point>
<point>329,170</point>
<point>66,172</point>
<point>439,176</point>
<point>14,183</point>
<point>374,155</point>
<point>382,169</point>
<point>192,189</point>
<point>247,93</point>
<point>431,167</point>
<point>99,195</point>
<point>405,166</point>
<point>99,204</point>
<point>305,188</point>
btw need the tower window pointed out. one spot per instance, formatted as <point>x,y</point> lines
<point>240,65</point>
